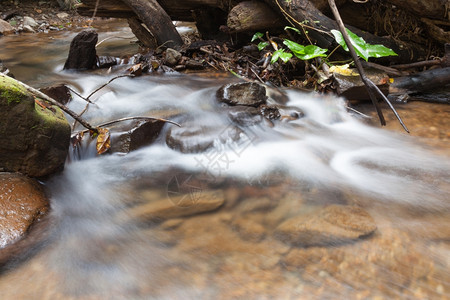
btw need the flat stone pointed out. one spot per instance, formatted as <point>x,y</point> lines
<point>332,225</point>
<point>5,28</point>
<point>62,15</point>
<point>22,202</point>
<point>176,206</point>
<point>244,93</point>
<point>249,230</point>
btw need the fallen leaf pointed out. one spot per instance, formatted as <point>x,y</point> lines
<point>103,140</point>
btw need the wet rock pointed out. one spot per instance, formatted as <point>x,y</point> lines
<point>60,93</point>
<point>5,28</point>
<point>270,112</point>
<point>176,206</point>
<point>62,15</point>
<point>249,230</point>
<point>22,202</point>
<point>142,133</point>
<point>28,28</point>
<point>29,21</point>
<point>82,53</point>
<point>33,140</point>
<point>245,93</point>
<point>334,224</point>
<point>244,115</point>
<point>194,65</point>
<point>195,138</point>
<point>351,86</point>
<point>107,61</point>
<point>172,57</point>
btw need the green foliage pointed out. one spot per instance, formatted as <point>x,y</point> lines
<point>305,52</point>
<point>300,51</point>
<point>256,36</point>
<point>363,49</point>
<point>280,54</point>
<point>262,45</point>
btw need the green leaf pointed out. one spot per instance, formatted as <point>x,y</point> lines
<point>294,47</point>
<point>312,51</point>
<point>363,49</point>
<point>305,52</point>
<point>256,36</point>
<point>380,51</point>
<point>280,54</point>
<point>262,45</point>
<point>292,28</point>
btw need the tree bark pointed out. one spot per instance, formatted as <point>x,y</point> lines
<point>157,21</point>
<point>252,16</point>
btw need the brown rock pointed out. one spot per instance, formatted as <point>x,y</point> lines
<point>333,224</point>
<point>244,93</point>
<point>249,230</point>
<point>22,202</point>
<point>5,28</point>
<point>176,206</point>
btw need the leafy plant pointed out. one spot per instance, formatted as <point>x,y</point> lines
<point>363,49</point>
<point>300,51</point>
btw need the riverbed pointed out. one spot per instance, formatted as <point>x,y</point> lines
<point>160,224</point>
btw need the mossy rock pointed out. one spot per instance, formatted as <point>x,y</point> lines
<point>33,140</point>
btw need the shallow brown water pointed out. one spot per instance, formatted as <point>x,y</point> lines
<point>159,224</point>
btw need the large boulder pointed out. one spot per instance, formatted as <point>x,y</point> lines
<point>34,136</point>
<point>22,202</point>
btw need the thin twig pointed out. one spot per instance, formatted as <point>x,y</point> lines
<point>39,94</point>
<point>79,95</point>
<point>111,80</point>
<point>372,89</point>
<point>132,118</point>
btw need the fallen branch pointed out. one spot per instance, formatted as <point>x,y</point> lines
<point>131,118</point>
<point>372,89</point>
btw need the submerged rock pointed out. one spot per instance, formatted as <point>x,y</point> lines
<point>334,224</point>
<point>34,137</point>
<point>176,206</point>
<point>244,93</point>
<point>195,138</point>
<point>22,202</point>
<point>244,115</point>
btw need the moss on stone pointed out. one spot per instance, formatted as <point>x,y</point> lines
<point>11,91</point>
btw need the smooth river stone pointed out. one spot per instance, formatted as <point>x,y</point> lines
<point>244,93</point>
<point>22,202</point>
<point>176,206</point>
<point>331,225</point>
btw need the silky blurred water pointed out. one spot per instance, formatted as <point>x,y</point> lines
<point>102,249</point>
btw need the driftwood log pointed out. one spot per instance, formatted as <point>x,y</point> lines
<point>256,15</point>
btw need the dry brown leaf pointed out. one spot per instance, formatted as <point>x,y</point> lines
<point>103,140</point>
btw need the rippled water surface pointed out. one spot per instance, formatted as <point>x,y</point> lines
<point>157,223</point>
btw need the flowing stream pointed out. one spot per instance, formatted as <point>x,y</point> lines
<point>106,243</point>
